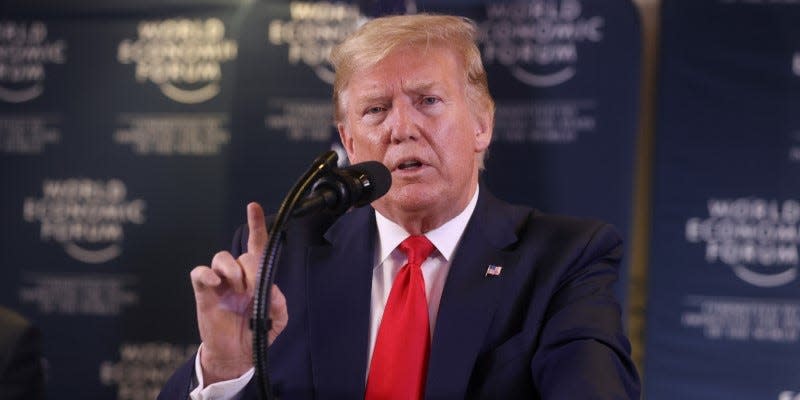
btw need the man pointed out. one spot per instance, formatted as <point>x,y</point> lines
<point>21,369</point>
<point>494,301</point>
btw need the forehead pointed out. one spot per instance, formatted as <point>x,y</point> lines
<point>409,68</point>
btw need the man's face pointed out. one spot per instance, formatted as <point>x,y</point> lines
<point>411,112</point>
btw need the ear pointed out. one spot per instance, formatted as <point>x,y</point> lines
<point>347,140</point>
<point>484,127</point>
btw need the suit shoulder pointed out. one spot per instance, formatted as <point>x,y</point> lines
<point>528,222</point>
<point>555,231</point>
<point>570,225</point>
<point>531,221</point>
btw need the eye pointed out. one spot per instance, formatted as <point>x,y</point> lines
<point>430,100</point>
<point>374,110</point>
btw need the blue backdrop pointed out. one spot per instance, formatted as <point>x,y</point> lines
<point>724,309</point>
<point>133,135</point>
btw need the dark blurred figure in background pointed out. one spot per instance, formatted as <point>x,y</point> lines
<point>21,372</point>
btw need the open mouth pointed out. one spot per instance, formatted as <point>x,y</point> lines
<point>410,164</point>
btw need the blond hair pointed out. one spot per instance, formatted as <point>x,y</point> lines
<point>376,39</point>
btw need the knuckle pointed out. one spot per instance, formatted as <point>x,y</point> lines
<point>220,259</point>
<point>197,272</point>
<point>201,276</point>
<point>247,261</point>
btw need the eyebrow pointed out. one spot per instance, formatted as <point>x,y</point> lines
<point>379,92</point>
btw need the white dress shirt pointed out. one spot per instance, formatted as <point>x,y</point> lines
<point>388,261</point>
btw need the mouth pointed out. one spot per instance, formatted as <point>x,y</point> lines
<point>409,165</point>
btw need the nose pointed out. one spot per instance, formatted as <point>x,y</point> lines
<point>402,122</point>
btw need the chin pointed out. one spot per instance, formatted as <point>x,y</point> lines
<point>411,200</point>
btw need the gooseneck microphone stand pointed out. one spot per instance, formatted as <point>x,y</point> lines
<point>260,323</point>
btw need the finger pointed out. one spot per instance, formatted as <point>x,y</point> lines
<point>277,302</point>
<point>257,239</point>
<point>230,270</point>
<point>249,263</point>
<point>203,277</point>
<point>278,313</point>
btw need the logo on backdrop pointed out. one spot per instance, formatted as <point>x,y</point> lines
<point>173,134</point>
<point>312,32</point>
<point>538,40</point>
<point>24,53</point>
<point>30,133</point>
<point>796,64</point>
<point>85,216</point>
<point>757,238</point>
<point>182,57</point>
<point>143,368</point>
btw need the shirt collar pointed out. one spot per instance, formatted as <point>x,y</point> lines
<point>445,238</point>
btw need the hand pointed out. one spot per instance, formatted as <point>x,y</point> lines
<point>224,297</point>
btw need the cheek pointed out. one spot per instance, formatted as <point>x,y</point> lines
<point>457,143</point>
<point>366,147</point>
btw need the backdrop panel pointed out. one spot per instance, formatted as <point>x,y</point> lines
<point>114,132</point>
<point>133,135</point>
<point>724,309</point>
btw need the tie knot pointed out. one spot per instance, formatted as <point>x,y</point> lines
<point>416,248</point>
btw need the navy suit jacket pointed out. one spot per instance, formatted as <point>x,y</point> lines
<point>548,326</point>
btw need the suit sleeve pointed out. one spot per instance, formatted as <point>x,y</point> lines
<point>583,351</point>
<point>180,383</point>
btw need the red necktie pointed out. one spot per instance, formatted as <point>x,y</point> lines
<point>400,359</point>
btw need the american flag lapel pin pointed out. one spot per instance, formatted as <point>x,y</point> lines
<point>493,270</point>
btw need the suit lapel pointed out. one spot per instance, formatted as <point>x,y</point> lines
<point>339,289</point>
<point>469,298</point>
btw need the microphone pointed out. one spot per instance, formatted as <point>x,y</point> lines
<point>353,186</point>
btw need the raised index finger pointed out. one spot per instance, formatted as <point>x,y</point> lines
<point>257,239</point>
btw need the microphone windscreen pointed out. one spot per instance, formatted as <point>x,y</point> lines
<point>375,179</point>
